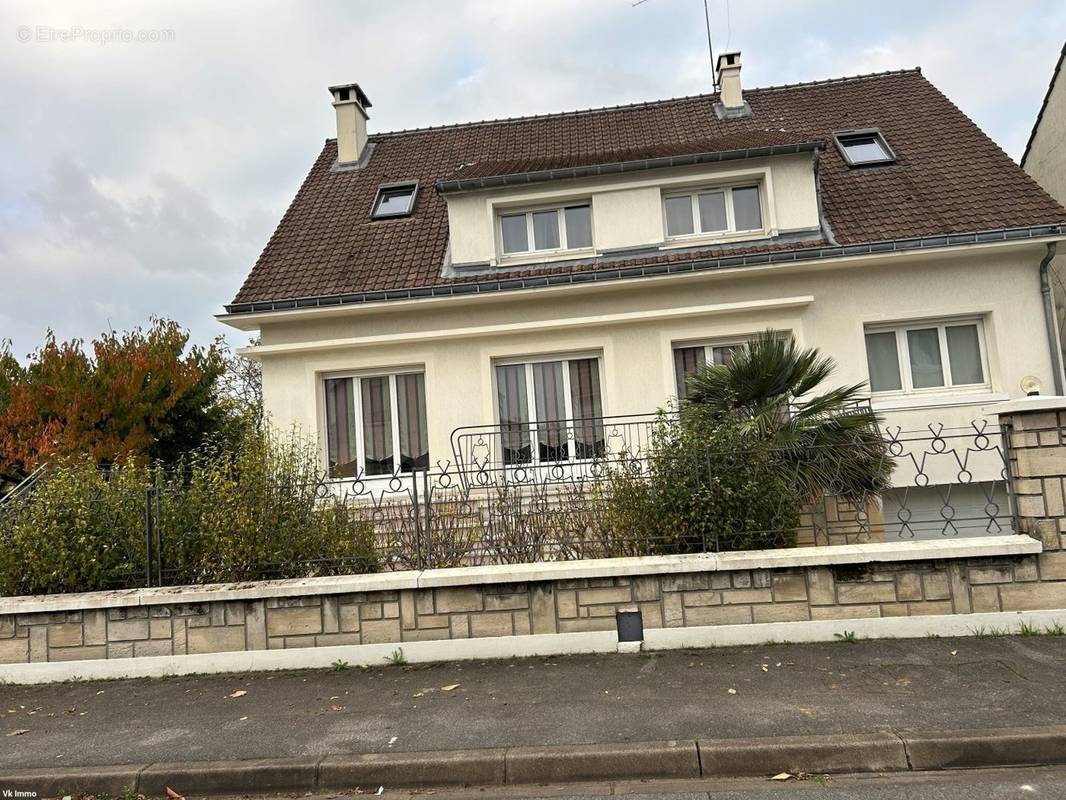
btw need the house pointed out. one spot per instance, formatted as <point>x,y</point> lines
<point>1045,160</point>
<point>577,266</point>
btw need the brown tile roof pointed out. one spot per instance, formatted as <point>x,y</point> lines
<point>738,144</point>
<point>949,178</point>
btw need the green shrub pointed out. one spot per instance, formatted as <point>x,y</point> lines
<point>705,485</point>
<point>259,510</point>
<point>256,510</point>
<point>81,529</point>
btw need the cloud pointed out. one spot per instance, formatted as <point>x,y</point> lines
<point>144,179</point>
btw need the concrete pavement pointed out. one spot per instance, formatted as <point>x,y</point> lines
<point>875,694</point>
<point>1046,783</point>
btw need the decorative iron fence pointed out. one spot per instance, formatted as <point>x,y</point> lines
<point>488,508</point>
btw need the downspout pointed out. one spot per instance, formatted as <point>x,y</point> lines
<point>823,223</point>
<point>1049,317</point>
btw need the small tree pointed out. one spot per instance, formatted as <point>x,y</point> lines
<point>739,462</point>
<point>831,441</point>
<point>145,394</point>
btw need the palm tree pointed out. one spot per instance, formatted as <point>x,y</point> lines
<point>830,442</point>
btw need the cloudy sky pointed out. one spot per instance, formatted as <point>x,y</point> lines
<point>142,179</point>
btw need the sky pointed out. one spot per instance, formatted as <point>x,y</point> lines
<point>148,149</point>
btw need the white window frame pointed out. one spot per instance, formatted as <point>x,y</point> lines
<point>357,398</point>
<point>903,355</point>
<point>531,398</point>
<point>529,211</point>
<point>730,229</point>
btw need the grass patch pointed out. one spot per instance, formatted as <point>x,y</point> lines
<point>396,658</point>
<point>847,636</point>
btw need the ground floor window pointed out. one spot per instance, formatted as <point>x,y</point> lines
<point>926,355</point>
<point>690,359</point>
<point>376,424</point>
<point>550,409</point>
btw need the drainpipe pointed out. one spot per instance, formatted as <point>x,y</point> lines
<point>1049,317</point>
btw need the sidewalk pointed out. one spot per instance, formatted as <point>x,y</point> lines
<point>816,689</point>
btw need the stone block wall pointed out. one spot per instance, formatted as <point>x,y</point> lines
<point>1036,450</point>
<point>718,597</point>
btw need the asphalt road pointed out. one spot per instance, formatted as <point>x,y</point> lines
<point>1043,783</point>
<point>835,687</point>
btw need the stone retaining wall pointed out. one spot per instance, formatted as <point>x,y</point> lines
<point>157,623</point>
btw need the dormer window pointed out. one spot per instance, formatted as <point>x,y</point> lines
<point>545,230</point>
<point>395,200</point>
<point>864,147</point>
<point>709,212</point>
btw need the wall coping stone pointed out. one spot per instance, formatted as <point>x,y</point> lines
<point>976,547</point>
<point>1036,403</point>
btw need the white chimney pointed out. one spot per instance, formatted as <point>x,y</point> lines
<point>730,94</point>
<point>351,104</point>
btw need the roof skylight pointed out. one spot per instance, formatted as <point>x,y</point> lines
<point>395,200</point>
<point>864,147</point>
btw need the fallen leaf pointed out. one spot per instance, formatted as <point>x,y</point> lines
<point>335,707</point>
<point>732,691</point>
<point>954,652</point>
<point>239,693</point>
<point>392,741</point>
<point>19,732</point>
<point>765,668</point>
<point>450,687</point>
<point>419,694</point>
<point>782,776</point>
<point>173,795</point>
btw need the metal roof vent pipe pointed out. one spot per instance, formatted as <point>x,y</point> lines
<point>731,102</point>
<point>350,103</point>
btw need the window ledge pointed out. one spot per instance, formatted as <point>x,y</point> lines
<point>976,547</point>
<point>690,240</point>
<point>549,255</point>
<point>914,402</point>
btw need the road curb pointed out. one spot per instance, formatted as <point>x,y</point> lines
<point>845,753</point>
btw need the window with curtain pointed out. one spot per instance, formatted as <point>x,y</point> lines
<point>550,410</point>
<point>689,359</point>
<point>707,212</point>
<point>376,425</point>
<point>926,355</point>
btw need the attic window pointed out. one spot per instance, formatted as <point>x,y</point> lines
<point>864,147</point>
<point>395,200</point>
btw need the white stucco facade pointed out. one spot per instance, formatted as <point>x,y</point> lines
<point>632,326</point>
<point>627,208</point>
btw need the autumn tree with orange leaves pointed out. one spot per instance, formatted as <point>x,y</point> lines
<point>142,394</point>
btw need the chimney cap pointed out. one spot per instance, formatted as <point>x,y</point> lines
<point>730,58</point>
<point>346,92</point>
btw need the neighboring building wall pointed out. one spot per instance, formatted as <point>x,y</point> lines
<point>1045,161</point>
<point>825,307</point>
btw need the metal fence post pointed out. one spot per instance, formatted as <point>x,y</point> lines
<point>159,533</point>
<point>416,520</point>
<point>148,520</point>
<point>428,500</point>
